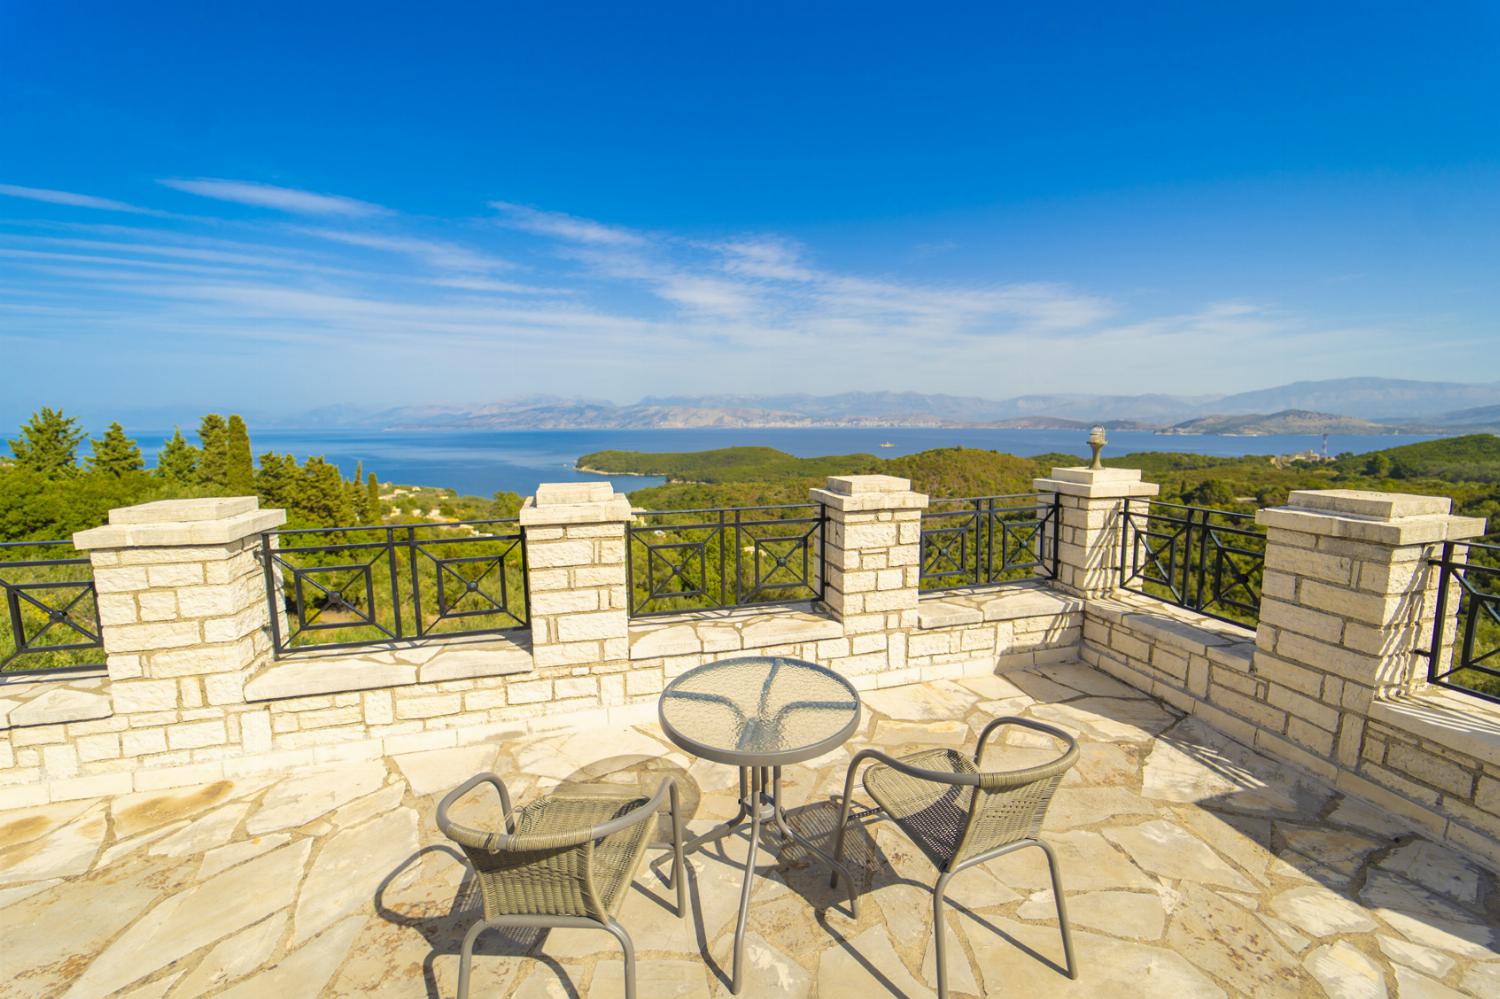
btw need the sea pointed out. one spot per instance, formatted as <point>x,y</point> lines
<point>481,462</point>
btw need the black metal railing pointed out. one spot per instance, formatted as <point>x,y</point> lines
<point>988,540</point>
<point>1209,561</point>
<point>340,587</point>
<point>679,560</point>
<point>51,616</point>
<point>1467,658</point>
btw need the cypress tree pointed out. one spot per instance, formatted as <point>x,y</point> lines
<point>213,465</point>
<point>357,493</point>
<point>177,462</point>
<point>239,475</point>
<point>115,454</point>
<point>372,494</point>
<point>48,444</point>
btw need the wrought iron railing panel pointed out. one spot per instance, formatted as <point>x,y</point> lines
<point>1209,561</point>
<point>1465,653</point>
<point>988,540</point>
<point>679,560</point>
<point>343,587</point>
<point>50,621</point>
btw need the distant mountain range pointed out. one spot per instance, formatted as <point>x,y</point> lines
<point>1344,406</point>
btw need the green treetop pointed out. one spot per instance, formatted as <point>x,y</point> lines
<point>239,476</point>
<point>177,462</point>
<point>115,454</point>
<point>213,466</point>
<point>372,499</point>
<point>48,444</point>
<point>277,481</point>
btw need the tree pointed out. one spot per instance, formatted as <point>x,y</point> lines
<point>357,495</point>
<point>239,473</point>
<point>324,500</point>
<point>177,462</point>
<point>277,480</point>
<point>115,454</point>
<point>1378,465</point>
<point>48,444</point>
<point>372,499</point>
<point>213,465</point>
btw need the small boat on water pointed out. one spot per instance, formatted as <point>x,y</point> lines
<point>886,444</point>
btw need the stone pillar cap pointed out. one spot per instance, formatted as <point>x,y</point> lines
<point>1369,503</point>
<point>570,493</point>
<point>1096,483</point>
<point>174,523</point>
<point>854,485</point>
<point>558,503</point>
<point>179,511</point>
<point>1367,515</point>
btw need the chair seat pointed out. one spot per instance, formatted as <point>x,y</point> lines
<point>932,814</point>
<point>617,857</point>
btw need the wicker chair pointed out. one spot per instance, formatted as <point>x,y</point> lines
<point>565,860</point>
<point>961,816</point>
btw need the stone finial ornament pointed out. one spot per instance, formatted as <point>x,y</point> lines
<point>1097,440</point>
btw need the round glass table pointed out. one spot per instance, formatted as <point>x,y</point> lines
<point>760,713</point>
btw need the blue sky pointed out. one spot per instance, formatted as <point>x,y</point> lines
<point>279,206</point>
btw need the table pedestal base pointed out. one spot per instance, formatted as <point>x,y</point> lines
<point>760,805</point>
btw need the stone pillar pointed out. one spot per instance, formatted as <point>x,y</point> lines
<point>1089,530</point>
<point>575,571</point>
<point>872,554</point>
<point>182,601</point>
<point>1348,606</point>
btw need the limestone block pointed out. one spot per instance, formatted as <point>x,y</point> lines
<point>598,625</point>
<point>300,678</point>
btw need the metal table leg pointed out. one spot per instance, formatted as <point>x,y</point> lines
<point>760,803</point>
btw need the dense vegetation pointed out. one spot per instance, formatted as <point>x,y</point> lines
<point>1467,469</point>
<point>48,492</point>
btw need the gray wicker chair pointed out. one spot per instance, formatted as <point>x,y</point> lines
<point>566,860</point>
<point>960,816</point>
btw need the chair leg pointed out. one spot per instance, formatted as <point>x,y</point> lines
<point>838,842</point>
<point>629,949</point>
<point>466,957</point>
<point>1062,908</point>
<point>677,868</point>
<point>940,934</point>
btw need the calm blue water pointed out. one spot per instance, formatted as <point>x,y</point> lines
<point>480,463</point>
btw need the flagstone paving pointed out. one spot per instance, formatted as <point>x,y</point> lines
<point>1193,867</point>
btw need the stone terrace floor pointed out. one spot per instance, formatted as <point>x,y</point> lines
<point>1193,868</point>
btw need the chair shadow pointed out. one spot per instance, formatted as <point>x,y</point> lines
<point>444,933</point>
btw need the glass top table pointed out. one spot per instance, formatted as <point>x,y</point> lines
<point>760,713</point>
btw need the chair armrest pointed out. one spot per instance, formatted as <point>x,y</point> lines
<point>666,791</point>
<point>920,773</point>
<point>459,833</point>
<point>992,781</point>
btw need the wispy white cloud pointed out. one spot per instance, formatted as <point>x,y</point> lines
<point>593,307</point>
<point>570,228</point>
<point>284,199</point>
<point>440,255</point>
<point>72,199</point>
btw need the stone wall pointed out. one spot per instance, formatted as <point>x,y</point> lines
<point>191,692</point>
<point>1330,681</point>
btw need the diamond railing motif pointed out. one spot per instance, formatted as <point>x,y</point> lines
<point>988,540</point>
<point>364,585</point>
<point>724,557</point>
<point>51,616</point>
